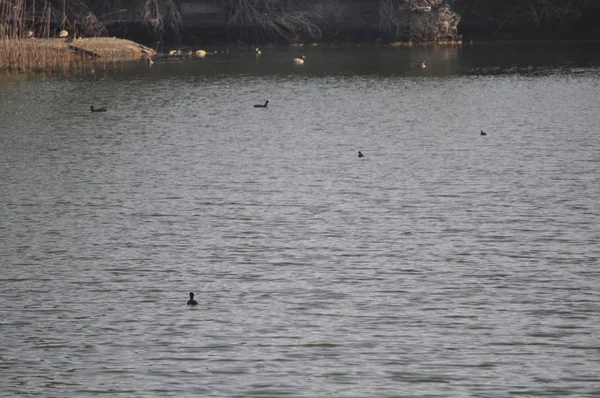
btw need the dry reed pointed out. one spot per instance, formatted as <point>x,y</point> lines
<point>36,55</point>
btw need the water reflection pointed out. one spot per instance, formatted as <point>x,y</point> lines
<point>360,60</point>
<point>467,59</point>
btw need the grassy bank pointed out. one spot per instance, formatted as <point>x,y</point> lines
<point>33,55</point>
<point>60,56</point>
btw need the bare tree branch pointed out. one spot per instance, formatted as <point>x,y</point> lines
<point>419,20</point>
<point>272,19</point>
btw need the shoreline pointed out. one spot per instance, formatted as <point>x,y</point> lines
<point>57,55</point>
<point>19,56</point>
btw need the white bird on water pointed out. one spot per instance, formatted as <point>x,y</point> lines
<point>299,61</point>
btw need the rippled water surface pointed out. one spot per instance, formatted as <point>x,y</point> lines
<point>444,264</point>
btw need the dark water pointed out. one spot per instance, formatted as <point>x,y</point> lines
<point>444,264</point>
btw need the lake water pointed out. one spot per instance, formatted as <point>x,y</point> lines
<point>444,264</point>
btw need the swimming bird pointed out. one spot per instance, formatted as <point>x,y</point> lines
<point>258,52</point>
<point>150,61</point>
<point>423,65</point>
<point>299,61</point>
<point>201,53</point>
<point>63,34</point>
<point>97,109</point>
<point>483,132</point>
<point>361,155</point>
<point>191,301</point>
<point>262,106</point>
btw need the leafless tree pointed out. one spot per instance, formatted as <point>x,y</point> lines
<point>272,19</point>
<point>560,11</point>
<point>418,20</point>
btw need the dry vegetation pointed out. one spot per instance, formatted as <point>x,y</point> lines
<point>29,31</point>
<point>27,55</point>
<point>59,55</point>
<point>88,18</point>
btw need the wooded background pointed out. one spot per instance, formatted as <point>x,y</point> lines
<point>285,21</point>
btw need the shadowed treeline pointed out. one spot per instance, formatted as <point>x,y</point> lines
<point>528,19</point>
<point>276,21</point>
<point>291,21</point>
